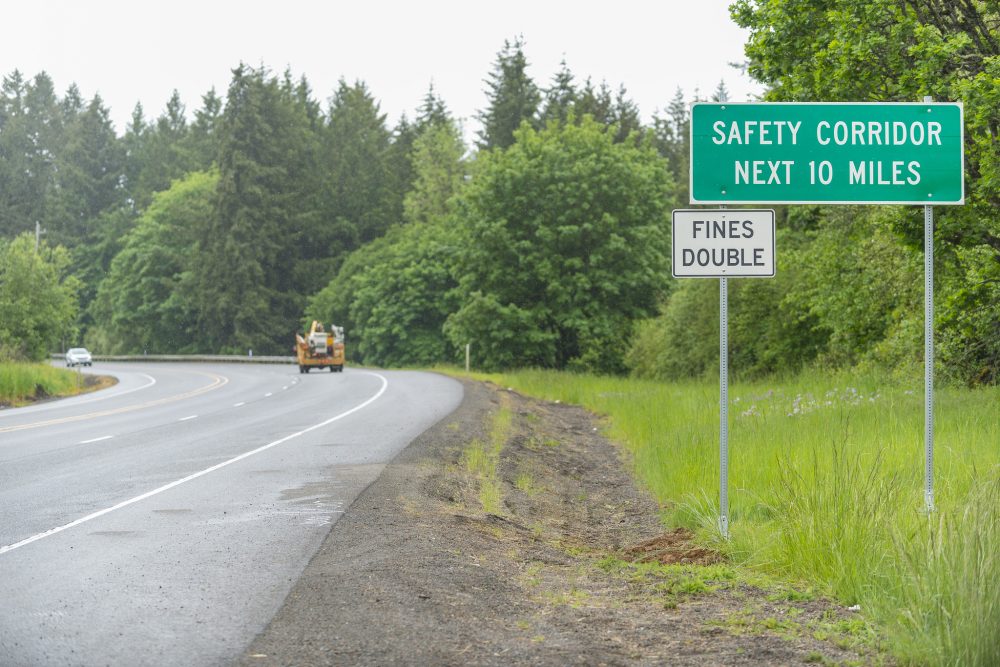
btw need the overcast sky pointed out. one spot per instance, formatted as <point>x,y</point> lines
<point>132,51</point>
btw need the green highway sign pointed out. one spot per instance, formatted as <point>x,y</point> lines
<point>827,153</point>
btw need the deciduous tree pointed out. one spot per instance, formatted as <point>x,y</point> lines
<point>565,243</point>
<point>37,298</point>
<point>148,302</point>
<point>889,51</point>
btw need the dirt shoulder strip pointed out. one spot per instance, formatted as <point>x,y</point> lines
<point>540,550</point>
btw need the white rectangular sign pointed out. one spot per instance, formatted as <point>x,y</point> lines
<point>723,243</point>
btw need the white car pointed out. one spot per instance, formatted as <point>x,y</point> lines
<point>78,356</point>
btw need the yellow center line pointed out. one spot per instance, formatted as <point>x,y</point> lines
<point>218,381</point>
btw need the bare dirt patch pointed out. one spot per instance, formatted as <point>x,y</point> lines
<point>673,547</point>
<point>572,566</point>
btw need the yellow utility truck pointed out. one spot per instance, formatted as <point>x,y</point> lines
<point>320,348</point>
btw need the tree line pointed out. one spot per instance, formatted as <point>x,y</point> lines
<point>544,244</point>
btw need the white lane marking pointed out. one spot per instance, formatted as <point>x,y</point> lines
<point>103,437</point>
<point>284,388</point>
<point>184,419</point>
<point>268,394</point>
<point>240,404</point>
<point>200,473</point>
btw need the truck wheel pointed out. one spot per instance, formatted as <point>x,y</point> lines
<point>333,369</point>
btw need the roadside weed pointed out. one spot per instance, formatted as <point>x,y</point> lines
<point>482,460</point>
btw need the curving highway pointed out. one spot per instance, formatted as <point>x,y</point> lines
<point>163,521</point>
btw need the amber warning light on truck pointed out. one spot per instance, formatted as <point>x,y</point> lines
<point>723,243</point>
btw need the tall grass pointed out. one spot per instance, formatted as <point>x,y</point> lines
<point>20,381</point>
<point>826,486</point>
<point>947,608</point>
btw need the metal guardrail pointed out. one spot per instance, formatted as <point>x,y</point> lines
<point>203,358</point>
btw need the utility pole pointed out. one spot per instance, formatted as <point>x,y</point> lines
<point>38,235</point>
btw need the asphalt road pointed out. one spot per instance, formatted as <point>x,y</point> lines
<point>163,521</point>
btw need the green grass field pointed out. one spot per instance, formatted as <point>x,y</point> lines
<point>20,382</point>
<point>826,488</point>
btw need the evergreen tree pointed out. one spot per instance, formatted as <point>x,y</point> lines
<point>432,111</point>
<point>13,145</point>
<point>361,201</point>
<point>721,93</point>
<point>89,173</point>
<point>399,156</point>
<point>625,116</point>
<point>560,97</point>
<point>164,157</point>
<point>439,173</point>
<point>15,186</point>
<point>431,115</point>
<point>134,153</point>
<point>13,96</point>
<point>316,260</point>
<point>248,248</point>
<point>92,258</point>
<point>595,102</point>
<point>72,104</point>
<point>203,137</point>
<point>30,136</point>
<point>512,96</point>
<point>672,137</point>
<point>92,213</point>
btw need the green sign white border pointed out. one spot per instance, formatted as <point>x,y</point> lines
<point>865,202</point>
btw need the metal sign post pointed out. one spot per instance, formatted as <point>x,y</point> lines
<point>724,407</point>
<point>929,357</point>
<point>929,351</point>
<point>723,244</point>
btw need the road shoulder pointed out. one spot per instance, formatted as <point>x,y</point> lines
<point>540,550</point>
